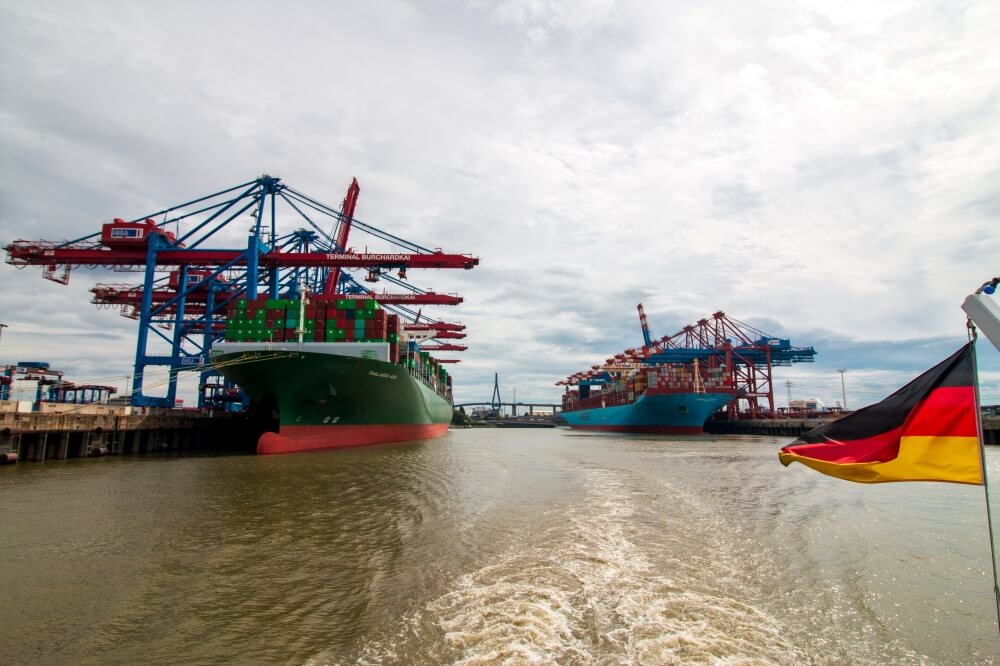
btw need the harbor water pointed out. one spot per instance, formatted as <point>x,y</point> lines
<point>491,546</point>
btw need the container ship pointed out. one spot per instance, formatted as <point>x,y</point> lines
<point>653,399</point>
<point>644,391</point>
<point>341,373</point>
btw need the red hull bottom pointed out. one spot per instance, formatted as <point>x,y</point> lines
<point>294,439</point>
<point>645,430</point>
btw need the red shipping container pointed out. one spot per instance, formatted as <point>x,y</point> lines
<point>319,335</point>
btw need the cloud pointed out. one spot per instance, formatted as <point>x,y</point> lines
<point>826,170</point>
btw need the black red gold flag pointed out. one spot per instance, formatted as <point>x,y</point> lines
<point>925,431</point>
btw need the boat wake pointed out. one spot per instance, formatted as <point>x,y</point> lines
<point>597,586</point>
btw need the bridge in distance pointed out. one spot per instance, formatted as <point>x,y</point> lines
<point>514,408</point>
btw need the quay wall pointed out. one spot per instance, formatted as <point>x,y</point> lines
<point>104,430</point>
<point>796,427</point>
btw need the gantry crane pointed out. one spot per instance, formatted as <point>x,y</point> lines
<point>187,285</point>
<point>746,355</point>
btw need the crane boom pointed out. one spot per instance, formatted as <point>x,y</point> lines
<point>28,253</point>
<point>645,326</point>
<point>109,294</point>
<point>434,326</point>
<point>347,211</point>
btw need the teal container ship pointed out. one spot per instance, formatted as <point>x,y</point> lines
<point>652,399</point>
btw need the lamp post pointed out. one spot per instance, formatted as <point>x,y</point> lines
<point>843,391</point>
<point>2,326</point>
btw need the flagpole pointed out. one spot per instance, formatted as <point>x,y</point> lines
<point>982,462</point>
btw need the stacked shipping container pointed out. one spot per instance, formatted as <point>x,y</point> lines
<point>682,377</point>
<point>422,365</point>
<point>331,319</point>
<point>656,379</point>
<point>325,320</point>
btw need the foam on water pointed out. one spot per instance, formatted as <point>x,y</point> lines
<point>590,589</point>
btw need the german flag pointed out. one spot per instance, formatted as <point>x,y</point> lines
<point>925,431</point>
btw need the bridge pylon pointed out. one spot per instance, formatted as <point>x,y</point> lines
<point>495,402</point>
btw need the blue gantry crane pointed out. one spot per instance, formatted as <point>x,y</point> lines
<point>258,237</point>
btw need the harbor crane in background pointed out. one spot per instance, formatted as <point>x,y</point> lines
<point>745,354</point>
<point>182,301</point>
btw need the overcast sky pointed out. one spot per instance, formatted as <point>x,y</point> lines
<point>824,171</point>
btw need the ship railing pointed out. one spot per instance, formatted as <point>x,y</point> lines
<point>424,374</point>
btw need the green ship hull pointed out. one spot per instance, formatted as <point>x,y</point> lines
<point>331,400</point>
